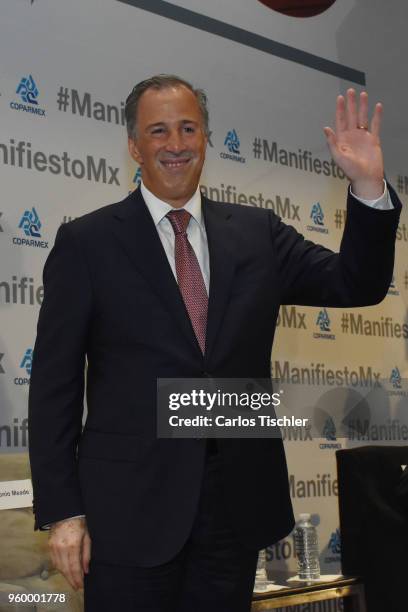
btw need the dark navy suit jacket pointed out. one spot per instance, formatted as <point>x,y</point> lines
<point>112,299</point>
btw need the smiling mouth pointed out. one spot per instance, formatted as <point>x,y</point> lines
<point>172,164</point>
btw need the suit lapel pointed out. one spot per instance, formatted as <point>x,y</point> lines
<point>135,229</point>
<point>222,266</point>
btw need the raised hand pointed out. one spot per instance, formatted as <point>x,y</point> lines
<point>355,145</point>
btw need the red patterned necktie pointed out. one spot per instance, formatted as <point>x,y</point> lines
<point>189,276</point>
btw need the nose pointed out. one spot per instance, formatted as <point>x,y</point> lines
<point>175,142</point>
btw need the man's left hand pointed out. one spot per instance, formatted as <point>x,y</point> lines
<point>355,145</point>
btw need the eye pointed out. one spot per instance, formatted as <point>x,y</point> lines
<point>189,129</point>
<point>158,130</point>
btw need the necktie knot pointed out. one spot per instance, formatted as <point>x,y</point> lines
<point>179,220</point>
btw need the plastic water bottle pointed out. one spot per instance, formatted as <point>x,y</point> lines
<point>261,577</point>
<point>307,549</point>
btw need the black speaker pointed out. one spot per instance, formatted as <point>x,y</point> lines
<point>373,502</point>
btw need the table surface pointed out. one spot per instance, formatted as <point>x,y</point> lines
<point>298,588</point>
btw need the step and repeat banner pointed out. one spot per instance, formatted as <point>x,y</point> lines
<point>272,77</point>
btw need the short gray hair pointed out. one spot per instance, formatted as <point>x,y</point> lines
<point>161,81</point>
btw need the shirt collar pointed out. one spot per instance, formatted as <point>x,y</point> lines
<point>159,209</point>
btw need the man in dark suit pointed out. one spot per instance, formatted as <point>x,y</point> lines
<point>167,284</point>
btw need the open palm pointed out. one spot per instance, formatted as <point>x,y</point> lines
<point>355,144</point>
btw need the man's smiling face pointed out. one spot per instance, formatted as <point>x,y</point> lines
<point>170,143</point>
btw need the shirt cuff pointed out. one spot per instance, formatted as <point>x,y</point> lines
<point>382,203</point>
<point>49,525</point>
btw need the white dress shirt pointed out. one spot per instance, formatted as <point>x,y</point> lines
<point>196,233</point>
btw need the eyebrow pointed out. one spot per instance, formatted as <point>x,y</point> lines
<point>161,123</point>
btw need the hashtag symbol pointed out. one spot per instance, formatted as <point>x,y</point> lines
<point>345,323</point>
<point>63,99</point>
<point>406,279</point>
<point>338,218</point>
<point>400,184</point>
<point>257,148</point>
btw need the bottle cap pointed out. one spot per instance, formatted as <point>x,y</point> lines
<point>305,516</point>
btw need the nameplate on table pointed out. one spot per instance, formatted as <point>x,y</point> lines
<point>16,494</point>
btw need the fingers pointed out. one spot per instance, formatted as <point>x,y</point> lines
<point>72,568</point>
<point>64,562</point>
<point>376,120</point>
<point>341,121</point>
<point>68,563</point>
<point>86,553</point>
<point>66,559</point>
<point>331,137</point>
<point>347,114</point>
<point>363,110</point>
<point>66,546</point>
<point>352,114</point>
<point>351,109</point>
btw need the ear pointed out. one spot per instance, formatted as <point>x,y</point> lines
<point>134,151</point>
